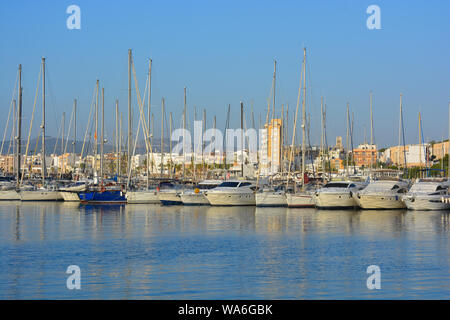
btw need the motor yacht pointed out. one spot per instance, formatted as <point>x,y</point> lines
<point>48,193</point>
<point>169,193</point>
<point>337,194</point>
<point>382,194</point>
<point>197,196</point>
<point>232,193</point>
<point>271,197</point>
<point>149,196</point>
<point>427,194</point>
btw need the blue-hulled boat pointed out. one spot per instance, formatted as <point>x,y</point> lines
<point>103,196</point>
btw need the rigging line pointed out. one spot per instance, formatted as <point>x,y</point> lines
<point>50,93</point>
<point>295,127</point>
<point>9,113</point>
<point>265,157</point>
<point>56,144</point>
<point>13,129</point>
<point>67,140</point>
<point>141,111</point>
<point>134,150</point>
<point>31,123</point>
<point>87,126</point>
<point>309,144</point>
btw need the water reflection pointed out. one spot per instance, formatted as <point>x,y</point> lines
<point>150,251</point>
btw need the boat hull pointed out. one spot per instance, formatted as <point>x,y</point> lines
<point>149,197</point>
<point>380,202</point>
<point>169,198</point>
<point>335,200</point>
<point>425,203</point>
<point>70,196</point>
<point>108,196</point>
<point>194,199</point>
<point>298,200</point>
<point>231,199</point>
<point>270,199</point>
<point>38,195</point>
<point>9,195</point>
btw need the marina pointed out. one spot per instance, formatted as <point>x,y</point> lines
<point>207,252</point>
<point>199,150</point>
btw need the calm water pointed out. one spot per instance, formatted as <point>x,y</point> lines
<point>154,252</point>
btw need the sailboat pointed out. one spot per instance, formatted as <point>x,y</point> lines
<point>8,190</point>
<point>269,195</point>
<point>148,194</point>
<point>103,193</point>
<point>302,198</point>
<point>385,193</point>
<point>43,192</point>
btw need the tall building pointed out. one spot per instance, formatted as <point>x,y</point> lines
<point>274,144</point>
<point>440,149</point>
<point>365,155</point>
<point>416,155</point>
<point>339,145</point>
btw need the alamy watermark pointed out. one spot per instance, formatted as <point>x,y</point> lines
<point>74,20</point>
<point>74,280</point>
<point>374,20</point>
<point>374,280</point>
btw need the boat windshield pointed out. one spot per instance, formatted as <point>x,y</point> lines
<point>245,184</point>
<point>229,184</point>
<point>207,186</point>
<point>336,185</point>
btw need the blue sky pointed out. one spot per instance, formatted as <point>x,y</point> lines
<point>223,52</point>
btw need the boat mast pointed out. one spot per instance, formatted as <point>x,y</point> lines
<point>371,131</point>
<point>304,119</point>
<point>129,113</point>
<point>203,143</point>
<point>214,159</point>
<point>151,139</point>
<point>102,142</point>
<point>273,116</point>
<point>348,148</point>
<point>44,168</point>
<point>96,129</point>
<point>420,146</point>
<point>170,146</point>
<point>74,134</point>
<point>117,139</point>
<point>120,145</point>
<point>402,134</point>
<point>322,151</point>
<point>19,127</point>
<point>63,122</point>
<point>184,137</point>
<point>162,136</point>
<point>242,139</point>
<point>448,148</point>
<point>149,117</point>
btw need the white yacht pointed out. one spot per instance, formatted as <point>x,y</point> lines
<point>427,194</point>
<point>143,196</point>
<point>169,193</point>
<point>70,193</point>
<point>8,191</point>
<point>270,197</point>
<point>382,194</point>
<point>196,197</point>
<point>337,194</point>
<point>232,193</point>
<point>41,194</point>
<point>300,199</point>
